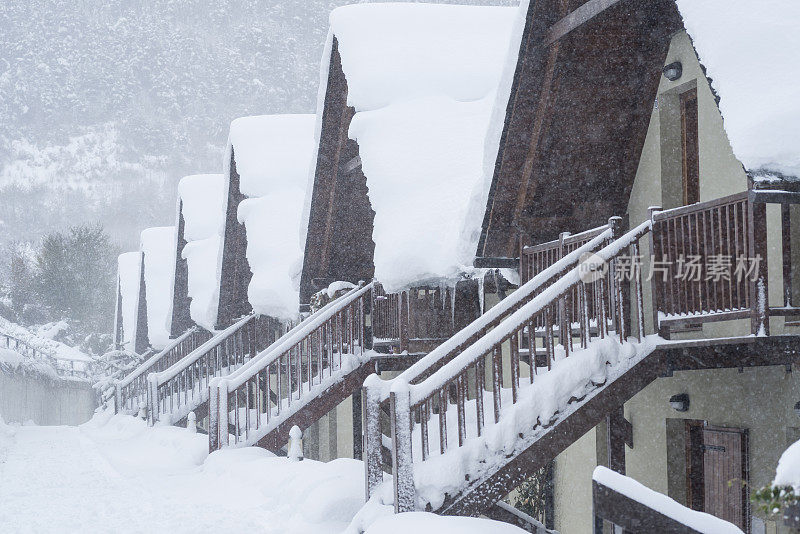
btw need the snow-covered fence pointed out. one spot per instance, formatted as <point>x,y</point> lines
<point>131,392</point>
<point>64,367</point>
<point>45,400</point>
<point>414,407</point>
<point>183,387</point>
<point>259,398</point>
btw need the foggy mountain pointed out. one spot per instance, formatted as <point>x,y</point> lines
<point>105,105</point>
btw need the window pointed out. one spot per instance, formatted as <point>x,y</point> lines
<point>691,147</point>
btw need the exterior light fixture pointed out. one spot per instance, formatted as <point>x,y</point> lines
<point>680,402</point>
<point>673,71</point>
<point>797,408</point>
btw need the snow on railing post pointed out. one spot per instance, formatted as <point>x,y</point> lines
<point>213,416</point>
<point>152,399</point>
<point>222,414</point>
<point>757,252</point>
<point>191,422</point>
<point>295,453</point>
<point>402,460</point>
<point>373,460</point>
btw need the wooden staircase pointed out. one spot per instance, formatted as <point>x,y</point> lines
<point>495,433</point>
<point>181,388</point>
<point>297,380</point>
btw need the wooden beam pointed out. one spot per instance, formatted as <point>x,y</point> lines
<point>580,16</point>
<point>631,515</point>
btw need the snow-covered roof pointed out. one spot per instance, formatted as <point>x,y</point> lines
<point>273,154</point>
<point>422,79</point>
<point>129,267</point>
<point>203,205</point>
<point>750,53</point>
<point>158,246</point>
<point>204,201</point>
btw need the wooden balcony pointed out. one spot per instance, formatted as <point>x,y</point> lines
<point>707,262</point>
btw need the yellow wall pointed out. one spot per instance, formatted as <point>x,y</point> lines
<point>757,399</point>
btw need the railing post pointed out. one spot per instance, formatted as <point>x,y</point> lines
<point>373,468</point>
<point>655,299</point>
<point>117,398</point>
<point>152,399</point>
<point>213,416</point>
<point>402,461</point>
<point>564,329</point>
<point>620,311</point>
<point>757,250</point>
<point>637,281</point>
<point>404,320</point>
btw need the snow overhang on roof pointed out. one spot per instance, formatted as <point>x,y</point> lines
<point>158,246</point>
<point>273,154</point>
<point>422,79</point>
<point>750,53</point>
<point>203,207</point>
<point>129,266</point>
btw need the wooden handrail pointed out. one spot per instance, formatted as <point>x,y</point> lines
<point>130,393</point>
<point>183,386</point>
<point>283,378</point>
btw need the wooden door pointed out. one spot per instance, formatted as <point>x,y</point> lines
<point>724,474</point>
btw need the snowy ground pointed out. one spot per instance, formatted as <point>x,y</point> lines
<point>114,474</point>
<point>117,475</point>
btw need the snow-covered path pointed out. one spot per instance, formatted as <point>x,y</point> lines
<point>52,473</point>
<point>119,476</point>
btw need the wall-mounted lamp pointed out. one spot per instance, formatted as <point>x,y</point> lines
<point>797,408</point>
<point>680,402</point>
<point>673,71</point>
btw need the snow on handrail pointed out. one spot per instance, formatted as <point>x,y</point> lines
<point>491,316</point>
<point>197,353</point>
<point>516,320</point>
<point>297,361</point>
<point>141,369</point>
<point>291,338</point>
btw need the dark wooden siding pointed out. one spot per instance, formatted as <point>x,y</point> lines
<point>141,339</point>
<point>181,319</point>
<point>235,275</point>
<point>339,242</point>
<point>576,121</point>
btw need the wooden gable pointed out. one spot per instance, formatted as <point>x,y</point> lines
<point>181,319</point>
<point>235,275</point>
<point>581,100</point>
<point>141,338</point>
<point>339,242</point>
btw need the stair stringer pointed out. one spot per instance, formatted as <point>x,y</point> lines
<point>317,407</point>
<point>482,493</point>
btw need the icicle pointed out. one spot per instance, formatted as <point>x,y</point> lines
<point>480,292</point>
<point>453,305</point>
